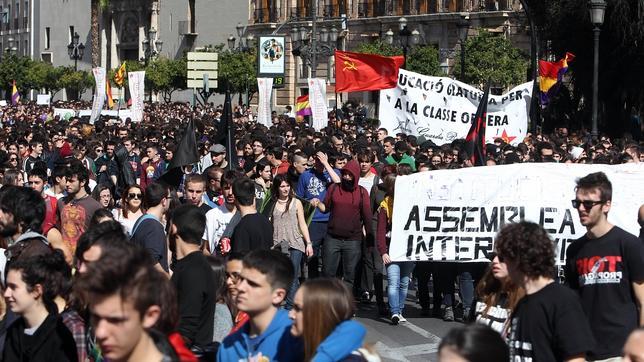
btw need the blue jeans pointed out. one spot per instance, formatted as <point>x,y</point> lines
<point>397,284</point>
<point>296,259</point>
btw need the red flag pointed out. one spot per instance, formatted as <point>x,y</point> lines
<point>362,72</point>
<point>475,140</point>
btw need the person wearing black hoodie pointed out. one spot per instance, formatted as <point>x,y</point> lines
<point>350,213</point>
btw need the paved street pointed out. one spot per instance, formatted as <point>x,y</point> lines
<point>416,340</point>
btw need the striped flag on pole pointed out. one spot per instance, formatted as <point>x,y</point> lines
<point>15,95</point>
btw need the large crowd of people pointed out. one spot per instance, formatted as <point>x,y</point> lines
<point>263,252</point>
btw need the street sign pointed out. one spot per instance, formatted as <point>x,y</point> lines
<point>200,64</point>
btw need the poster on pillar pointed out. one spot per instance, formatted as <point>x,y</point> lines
<point>318,102</point>
<point>99,95</point>
<point>136,82</point>
<point>442,109</point>
<point>265,87</point>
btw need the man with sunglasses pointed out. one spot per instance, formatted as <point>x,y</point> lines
<point>606,268</point>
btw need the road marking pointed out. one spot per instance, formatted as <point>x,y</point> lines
<point>399,353</point>
<point>422,332</point>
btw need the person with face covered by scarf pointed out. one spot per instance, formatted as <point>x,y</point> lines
<point>349,224</point>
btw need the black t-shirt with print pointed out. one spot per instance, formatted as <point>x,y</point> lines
<point>549,325</point>
<point>602,271</point>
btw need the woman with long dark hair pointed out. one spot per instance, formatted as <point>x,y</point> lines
<point>497,296</point>
<point>290,231</point>
<point>224,305</point>
<point>131,207</point>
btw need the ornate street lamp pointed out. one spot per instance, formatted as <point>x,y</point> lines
<point>75,49</point>
<point>463,27</point>
<point>406,37</point>
<point>596,10</point>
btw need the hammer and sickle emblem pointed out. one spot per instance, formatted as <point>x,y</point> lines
<point>349,65</point>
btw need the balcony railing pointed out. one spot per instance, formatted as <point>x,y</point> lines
<point>269,15</point>
<point>335,10</point>
<point>299,12</point>
<point>375,8</point>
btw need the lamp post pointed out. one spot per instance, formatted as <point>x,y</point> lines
<point>245,44</point>
<point>463,27</point>
<point>406,37</point>
<point>310,46</point>
<point>151,48</point>
<point>10,49</point>
<point>75,49</point>
<point>596,8</point>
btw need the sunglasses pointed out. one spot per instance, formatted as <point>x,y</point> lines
<point>13,159</point>
<point>588,204</point>
<point>234,276</point>
<point>493,255</point>
<point>99,150</point>
<point>135,196</point>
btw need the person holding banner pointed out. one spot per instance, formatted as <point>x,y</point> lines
<point>398,273</point>
<point>606,268</point>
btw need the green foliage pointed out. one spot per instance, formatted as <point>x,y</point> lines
<point>76,82</point>
<point>16,68</point>
<point>379,47</point>
<point>621,55</point>
<point>238,71</point>
<point>488,56</point>
<point>166,76</point>
<point>422,59</point>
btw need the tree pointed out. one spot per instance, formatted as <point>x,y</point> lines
<point>166,76</point>
<point>14,68</point>
<point>76,82</point>
<point>238,72</point>
<point>37,77</point>
<point>493,57</point>
<point>621,55</point>
<point>421,59</point>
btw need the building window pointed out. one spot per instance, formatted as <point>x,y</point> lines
<point>26,9</point>
<point>25,49</point>
<point>71,33</point>
<point>47,37</point>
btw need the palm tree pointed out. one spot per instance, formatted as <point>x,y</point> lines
<point>96,7</point>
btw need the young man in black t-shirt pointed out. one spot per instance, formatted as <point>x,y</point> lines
<point>547,324</point>
<point>606,267</point>
<point>254,231</point>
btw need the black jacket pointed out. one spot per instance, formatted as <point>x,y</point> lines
<point>51,342</point>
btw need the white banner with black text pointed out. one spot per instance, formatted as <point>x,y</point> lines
<point>99,95</point>
<point>318,102</point>
<point>442,109</point>
<point>265,88</point>
<point>454,215</point>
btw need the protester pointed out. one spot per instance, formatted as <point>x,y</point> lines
<point>38,334</point>
<point>262,287</point>
<point>219,217</point>
<point>123,297</point>
<point>290,231</point>
<point>472,343</point>
<point>323,309</point>
<point>254,231</point>
<point>76,209</point>
<point>606,268</point>
<point>223,321</point>
<point>398,273</point>
<point>497,296</point>
<point>103,194</point>
<point>149,231</point>
<point>131,208</point>
<point>350,213</point>
<point>548,323</point>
